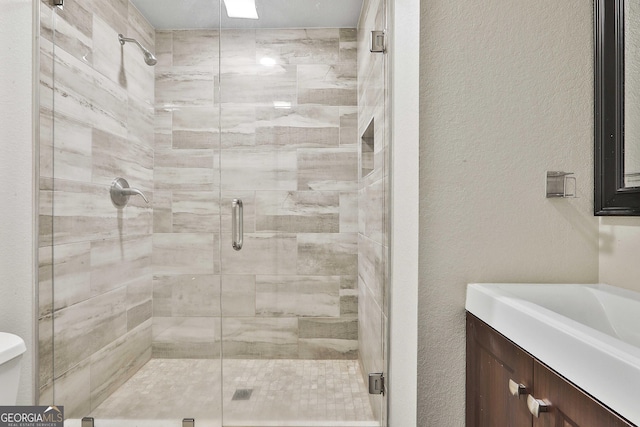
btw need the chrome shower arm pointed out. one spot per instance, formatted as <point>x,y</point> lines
<point>149,57</point>
<point>124,39</point>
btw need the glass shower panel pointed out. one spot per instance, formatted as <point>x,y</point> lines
<point>290,144</point>
<point>373,198</point>
<point>136,288</point>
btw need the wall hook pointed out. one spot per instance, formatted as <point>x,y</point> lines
<point>561,184</point>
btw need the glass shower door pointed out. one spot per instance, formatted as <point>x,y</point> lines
<point>135,270</point>
<point>251,289</point>
<point>291,298</point>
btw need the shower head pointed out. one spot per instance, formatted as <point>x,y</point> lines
<point>149,57</point>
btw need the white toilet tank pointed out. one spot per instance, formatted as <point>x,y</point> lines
<point>11,349</point>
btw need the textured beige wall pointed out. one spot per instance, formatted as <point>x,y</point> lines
<point>506,94</point>
<point>620,237</point>
<point>619,248</point>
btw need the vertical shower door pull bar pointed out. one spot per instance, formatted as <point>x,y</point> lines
<point>237,224</point>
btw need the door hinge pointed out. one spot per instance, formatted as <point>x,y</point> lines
<point>376,383</point>
<point>58,2</point>
<point>377,42</point>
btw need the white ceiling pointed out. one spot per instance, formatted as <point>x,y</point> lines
<point>184,14</point>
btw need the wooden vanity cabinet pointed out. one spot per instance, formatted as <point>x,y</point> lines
<point>493,360</point>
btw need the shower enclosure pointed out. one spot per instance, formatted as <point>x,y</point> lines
<point>213,212</point>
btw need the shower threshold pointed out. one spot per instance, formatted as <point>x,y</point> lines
<point>268,393</point>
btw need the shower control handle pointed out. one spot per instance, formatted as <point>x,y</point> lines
<point>121,192</point>
<point>237,224</point>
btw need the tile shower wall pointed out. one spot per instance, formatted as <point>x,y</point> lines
<point>289,151</point>
<point>373,192</point>
<point>95,326</point>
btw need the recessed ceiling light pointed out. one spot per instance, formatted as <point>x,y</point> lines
<point>269,62</point>
<point>241,9</point>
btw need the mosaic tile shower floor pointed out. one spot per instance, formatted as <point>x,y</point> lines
<point>283,393</point>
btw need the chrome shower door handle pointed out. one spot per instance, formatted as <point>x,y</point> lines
<point>237,224</point>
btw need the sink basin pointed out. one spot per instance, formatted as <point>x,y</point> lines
<point>590,334</point>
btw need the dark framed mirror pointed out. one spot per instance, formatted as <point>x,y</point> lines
<point>617,108</point>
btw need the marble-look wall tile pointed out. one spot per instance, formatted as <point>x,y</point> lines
<point>164,48</point>
<point>88,97</point>
<point>195,211</point>
<point>370,331</point>
<point>299,46</point>
<point>73,150</point>
<point>73,387</point>
<point>186,295</point>
<point>84,328</point>
<point>348,45</point>
<point>114,12</point>
<point>238,125</point>
<point>72,267</point>
<point>178,86</point>
<point>349,127</point>
<point>348,303</point>
<point>139,28</point>
<point>195,127</point>
<point>328,348</point>
<point>327,169</point>
<point>327,84</point>
<point>269,170</point>
<point>115,262</point>
<point>300,126</point>
<point>258,84</point>
<point>349,212</point>
<point>322,254</point>
<point>139,314</point>
<point>298,211</point>
<point>262,253</point>
<point>238,47</point>
<point>163,128</point>
<point>329,328</point>
<point>185,253</point>
<point>257,337</point>
<point>45,351</point>
<point>116,363</point>
<point>371,267</point>
<point>300,296</point>
<point>196,48</point>
<point>108,53</point>
<point>294,168</point>
<point>73,29</point>
<point>189,170</point>
<point>239,295</point>
<point>45,280</point>
<point>186,337</point>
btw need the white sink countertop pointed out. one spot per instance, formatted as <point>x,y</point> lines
<point>590,334</point>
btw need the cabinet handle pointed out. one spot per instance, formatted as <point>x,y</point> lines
<point>517,389</point>
<point>536,406</point>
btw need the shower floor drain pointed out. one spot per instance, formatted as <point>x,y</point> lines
<point>242,394</point>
